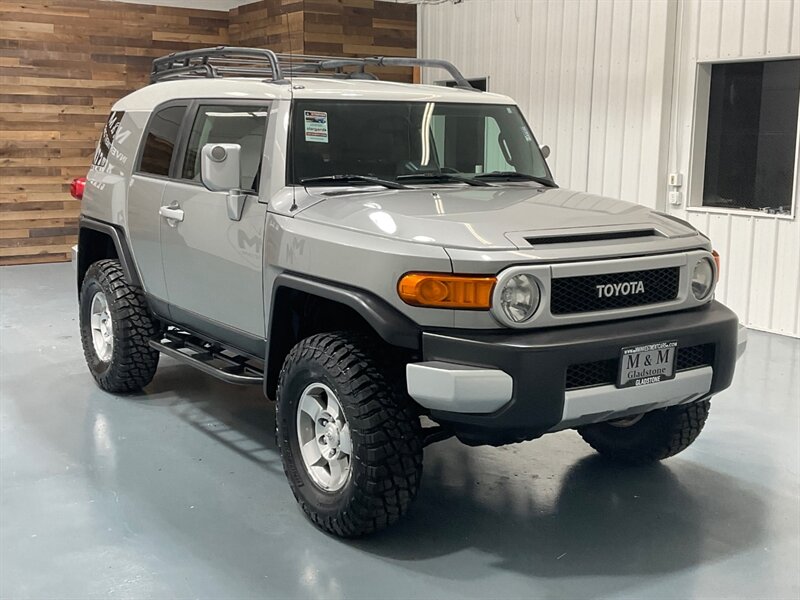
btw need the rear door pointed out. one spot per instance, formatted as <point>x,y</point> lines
<point>212,263</point>
<point>154,163</point>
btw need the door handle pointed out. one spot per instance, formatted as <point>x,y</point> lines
<point>171,213</point>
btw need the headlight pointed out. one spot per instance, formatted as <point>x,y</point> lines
<point>519,298</point>
<point>702,279</point>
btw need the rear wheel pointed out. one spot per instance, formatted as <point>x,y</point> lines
<point>351,445</point>
<point>649,437</point>
<point>116,329</point>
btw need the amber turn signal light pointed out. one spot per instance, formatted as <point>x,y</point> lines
<point>438,290</point>
<point>715,254</point>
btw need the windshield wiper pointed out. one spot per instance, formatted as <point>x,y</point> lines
<point>345,178</point>
<point>514,175</point>
<point>442,177</point>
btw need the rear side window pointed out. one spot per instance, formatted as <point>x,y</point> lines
<point>162,135</point>
<point>241,124</point>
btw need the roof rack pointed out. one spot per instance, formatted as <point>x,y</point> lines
<point>231,61</point>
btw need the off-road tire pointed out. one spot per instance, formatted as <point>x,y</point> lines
<point>657,435</point>
<point>386,458</point>
<point>133,362</point>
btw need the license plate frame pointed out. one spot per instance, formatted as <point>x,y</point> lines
<point>646,364</point>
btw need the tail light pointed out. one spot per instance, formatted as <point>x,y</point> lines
<point>76,187</point>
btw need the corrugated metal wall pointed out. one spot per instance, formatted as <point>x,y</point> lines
<point>609,85</point>
<point>761,253</point>
<point>589,75</point>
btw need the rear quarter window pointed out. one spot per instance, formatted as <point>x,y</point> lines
<point>160,140</point>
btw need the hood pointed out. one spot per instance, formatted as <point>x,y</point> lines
<point>484,217</point>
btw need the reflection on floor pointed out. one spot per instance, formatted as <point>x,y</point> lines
<point>179,492</point>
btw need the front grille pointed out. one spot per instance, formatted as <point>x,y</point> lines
<point>599,372</point>
<point>571,295</point>
<point>604,372</point>
<point>694,356</point>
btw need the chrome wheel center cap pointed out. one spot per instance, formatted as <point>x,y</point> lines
<point>332,436</point>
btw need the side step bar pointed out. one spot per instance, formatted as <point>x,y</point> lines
<point>210,358</point>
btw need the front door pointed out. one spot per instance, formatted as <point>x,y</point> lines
<point>212,263</point>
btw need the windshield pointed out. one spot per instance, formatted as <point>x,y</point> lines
<point>411,142</point>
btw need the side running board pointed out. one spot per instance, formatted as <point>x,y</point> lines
<point>210,358</point>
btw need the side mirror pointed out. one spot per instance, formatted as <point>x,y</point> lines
<point>545,150</point>
<point>221,171</point>
<point>220,167</point>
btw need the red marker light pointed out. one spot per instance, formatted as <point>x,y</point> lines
<point>76,187</point>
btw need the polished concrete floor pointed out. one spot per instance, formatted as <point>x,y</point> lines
<point>179,493</point>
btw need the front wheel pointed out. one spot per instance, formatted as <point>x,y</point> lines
<point>649,437</point>
<point>350,444</point>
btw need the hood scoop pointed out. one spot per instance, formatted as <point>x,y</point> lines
<point>594,236</point>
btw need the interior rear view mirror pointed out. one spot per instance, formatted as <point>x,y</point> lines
<point>220,167</point>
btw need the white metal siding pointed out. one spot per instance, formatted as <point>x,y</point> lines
<point>610,86</point>
<point>589,76</point>
<point>540,53</point>
<point>760,254</point>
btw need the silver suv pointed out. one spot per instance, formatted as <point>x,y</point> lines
<point>395,265</point>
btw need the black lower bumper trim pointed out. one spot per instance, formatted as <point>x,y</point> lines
<point>538,362</point>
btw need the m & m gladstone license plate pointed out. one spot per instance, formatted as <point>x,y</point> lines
<point>646,364</point>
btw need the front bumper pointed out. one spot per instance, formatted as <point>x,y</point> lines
<point>505,386</point>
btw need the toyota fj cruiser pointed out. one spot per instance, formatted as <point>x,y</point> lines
<point>395,265</point>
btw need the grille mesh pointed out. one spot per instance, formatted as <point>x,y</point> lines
<point>579,294</point>
<point>604,372</point>
<point>599,372</point>
<point>694,356</point>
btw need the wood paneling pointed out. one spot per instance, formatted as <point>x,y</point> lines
<point>63,63</point>
<point>361,28</point>
<point>276,24</point>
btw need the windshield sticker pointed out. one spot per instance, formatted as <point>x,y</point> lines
<point>526,134</point>
<point>316,126</point>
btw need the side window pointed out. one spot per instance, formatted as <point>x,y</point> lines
<point>228,124</point>
<point>162,134</point>
<point>470,144</point>
<point>459,140</point>
<point>495,149</point>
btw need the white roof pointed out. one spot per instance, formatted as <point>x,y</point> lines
<point>154,94</point>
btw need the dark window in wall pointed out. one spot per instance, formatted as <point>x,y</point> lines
<point>162,135</point>
<point>752,135</point>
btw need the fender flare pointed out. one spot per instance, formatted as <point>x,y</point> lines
<point>120,243</point>
<point>389,323</point>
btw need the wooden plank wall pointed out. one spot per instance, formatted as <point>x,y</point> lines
<point>63,63</point>
<point>361,28</point>
<point>276,24</point>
